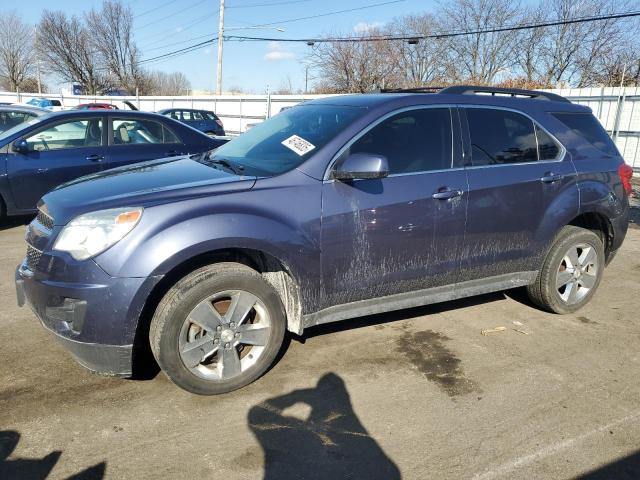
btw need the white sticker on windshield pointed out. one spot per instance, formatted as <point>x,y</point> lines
<point>298,145</point>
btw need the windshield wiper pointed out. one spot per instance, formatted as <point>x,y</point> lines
<point>236,169</point>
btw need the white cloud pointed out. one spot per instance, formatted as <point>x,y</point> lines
<point>277,52</point>
<point>364,27</point>
<point>277,55</point>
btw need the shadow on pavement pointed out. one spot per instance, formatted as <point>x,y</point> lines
<point>626,468</point>
<point>315,434</point>
<point>36,468</point>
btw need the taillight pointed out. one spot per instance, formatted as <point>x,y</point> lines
<point>626,173</point>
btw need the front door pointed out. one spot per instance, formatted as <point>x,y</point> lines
<point>516,172</point>
<point>57,154</point>
<point>404,232</point>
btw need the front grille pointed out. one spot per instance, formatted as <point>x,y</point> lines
<point>33,257</point>
<point>45,220</point>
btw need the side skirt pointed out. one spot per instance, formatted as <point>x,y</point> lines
<point>419,298</point>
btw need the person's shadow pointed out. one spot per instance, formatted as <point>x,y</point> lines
<point>36,468</point>
<point>330,443</point>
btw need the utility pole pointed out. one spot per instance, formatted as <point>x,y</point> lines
<point>220,44</point>
<point>35,31</point>
<point>306,79</point>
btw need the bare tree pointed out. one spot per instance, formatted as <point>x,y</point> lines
<point>615,68</point>
<point>17,59</point>
<point>285,88</point>
<point>175,83</point>
<point>66,46</point>
<point>480,57</point>
<point>111,30</point>
<point>419,62</point>
<point>569,51</point>
<point>353,67</point>
<point>529,54</point>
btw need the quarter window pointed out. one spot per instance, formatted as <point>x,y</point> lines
<point>548,149</point>
<point>412,141</point>
<point>501,137</point>
<point>587,126</point>
<point>75,134</point>
<point>138,131</point>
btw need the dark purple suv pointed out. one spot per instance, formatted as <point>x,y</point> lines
<point>339,208</point>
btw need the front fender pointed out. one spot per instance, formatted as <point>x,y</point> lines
<point>171,234</point>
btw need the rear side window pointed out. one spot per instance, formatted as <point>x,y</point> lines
<point>413,141</point>
<point>501,137</point>
<point>587,126</point>
<point>139,131</point>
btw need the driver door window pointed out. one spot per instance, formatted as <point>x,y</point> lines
<point>74,134</point>
<point>413,141</point>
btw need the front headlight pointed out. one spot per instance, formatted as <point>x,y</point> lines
<point>92,233</point>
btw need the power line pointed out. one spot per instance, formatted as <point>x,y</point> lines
<point>160,47</point>
<point>310,17</point>
<point>172,14</point>
<point>396,37</point>
<point>267,4</point>
<point>180,51</point>
<point>158,7</point>
<point>190,24</point>
<point>377,38</point>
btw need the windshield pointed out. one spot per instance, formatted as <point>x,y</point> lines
<point>286,140</point>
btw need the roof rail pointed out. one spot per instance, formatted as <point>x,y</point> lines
<point>410,90</point>
<point>511,92</point>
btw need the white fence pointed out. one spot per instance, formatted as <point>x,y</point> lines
<point>235,111</point>
<point>618,109</point>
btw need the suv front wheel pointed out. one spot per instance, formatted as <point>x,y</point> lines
<point>218,329</point>
<point>571,272</point>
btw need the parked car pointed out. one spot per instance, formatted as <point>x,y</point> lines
<point>338,208</point>
<point>13,115</point>
<point>46,103</point>
<point>96,106</point>
<point>203,120</point>
<point>52,149</point>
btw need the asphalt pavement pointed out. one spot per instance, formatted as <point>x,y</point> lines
<point>416,394</point>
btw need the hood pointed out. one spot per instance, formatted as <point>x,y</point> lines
<point>142,184</point>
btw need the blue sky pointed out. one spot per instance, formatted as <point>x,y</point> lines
<point>161,24</point>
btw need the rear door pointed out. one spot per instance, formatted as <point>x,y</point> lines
<point>516,170</point>
<point>58,152</point>
<point>404,232</point>
<point>135,139</point>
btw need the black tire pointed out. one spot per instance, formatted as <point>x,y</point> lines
<point>543,292</point>
<point>184,296</point>
<point>210,133</point>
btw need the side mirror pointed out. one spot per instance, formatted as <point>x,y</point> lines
<point>362,166</point>
<point>21,146</point>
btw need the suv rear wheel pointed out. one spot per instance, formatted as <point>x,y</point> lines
<point>218,329</point>
<point>571,271</point>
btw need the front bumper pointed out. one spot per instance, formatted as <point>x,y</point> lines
<point>96,322</point>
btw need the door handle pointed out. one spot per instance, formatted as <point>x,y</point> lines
<point>95,158</point>
<point>550,177</point>
<point>446,194</point>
